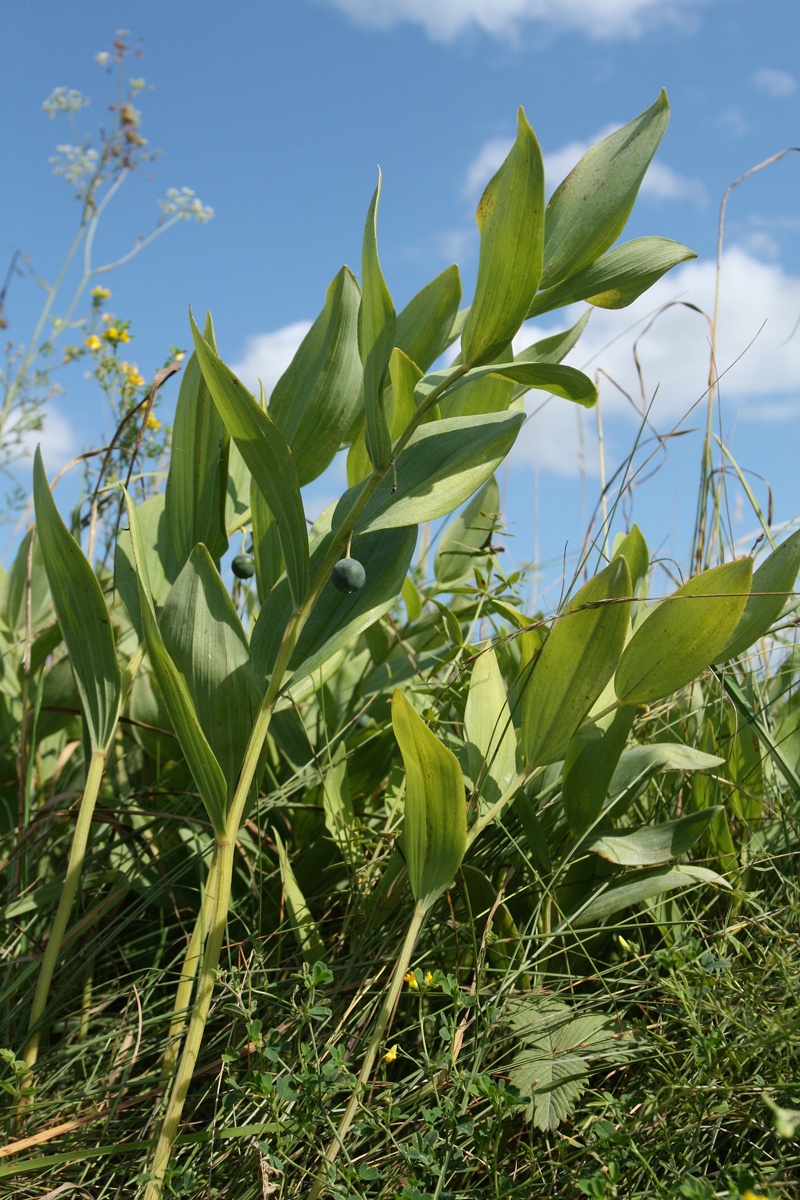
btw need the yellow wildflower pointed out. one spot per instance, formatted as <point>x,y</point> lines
<point>411,980</point>
<point>391,1054</point>
<point>748,1195</point>
<point>180,356</point>
<point>153,422</point>
<point>93,342</point>
<point>99,294</point>
<point>112,334</point>
<point>108,318</point>
<point>132,371</point>
<point>428,978</point>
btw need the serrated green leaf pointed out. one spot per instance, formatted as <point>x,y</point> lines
<point>461,544</point>
<point>772,585</point>
<point>205,769</point>
<point>576,662</point>
<point>683,634</point>
<point>376,338</point>
<point>320,394</point>
<point>268,459</point>
<point>435,824</point>
<point>82,615</point>
<point>198,467</point>
<point>617,278</point>
<point>204,638</point>
<point>652,844</point>
<point>589,209</point>
<point>511,222</point>
<point>442,465</point>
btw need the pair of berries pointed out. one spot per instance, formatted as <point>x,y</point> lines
<point>348,575</point>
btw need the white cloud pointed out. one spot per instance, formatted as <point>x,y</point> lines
<point>660,182</point>
<point>57,438</point>
<point>267,355</point>
<point>777,83</point>
<point>445,20</point>
<point>758,357</point>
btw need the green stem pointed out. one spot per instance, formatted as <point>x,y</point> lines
<point>384,1016</point>
<point>74,868</point>
<point>220,884</point>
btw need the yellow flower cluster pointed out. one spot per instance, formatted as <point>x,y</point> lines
<point>153,422</point>
<point>100,295</point>
<point>93,342</point>
<point>413,983</point>
<point>113,335</point>
<point>132,372</point>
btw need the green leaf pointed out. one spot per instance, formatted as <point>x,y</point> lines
<point>463,539</point>
<point>159,563</point>
<point>683,634</point>
<point>205,769</point>
<point>82,615</point>
<point>618,278</point>
<point>489,731</point>
<point>773,583</point>
<point>551,1065</point>
<point>198,467</point>
<point>589,209</point>
<point>319,396</point>
<point>405,375</point>
<point>336,619</point>
<point>340,819</point>
<point>303,924</point>
<point>576,663</point>
<point>435,824</point>
<point>511,222</point>
<point>589,770</point>
<point>376,338</point>
<point>566,382</point>
<point>652,844</point>
<point>639,886</point>
<point>266,544</point>
<point>442,465</point>
<point>14,596</point>
<point>556,347</point>
<point>424,326</point>
<point>268,459</point>
<point>204,638</point>
<point>633,548</point>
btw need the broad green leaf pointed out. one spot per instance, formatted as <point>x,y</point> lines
<point>266,544</point>
<point>198,467</point>
<point>464,538</point>
<point>435,822</point>
<point>319,395</point>
<point>633,548</point>
<point>556,347</point>
<point>82,615</point>
<point>376,338</point>
<point>587,775</point>
<point>485,391</point>
<point>205,769</point>
<point>204,638</point>
<point>405,375</point>
<point>639,886</point>
<point>566,382</point>
<point>158,558</point>
<point>340,819</point>
<point>304,926</point>
<point>551,1063</point>
<point>424,327</point>
<point>576,662</point>
<point>442,465</point>
<point>683,634</point>
<point>511,222</point>
<point>14,589</point>
<point>336,619</point>
<point>618,277</point>
<point>268,459</point>
<point>489,730</point>
<point>638,764</point>
<point>652,844</point>
<point>773,583</point>
<point>589,209</point>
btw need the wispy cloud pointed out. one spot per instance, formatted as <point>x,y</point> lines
<point>267,355</point>
<point>661,182</point>
<point>758,358</point>
<point>445,20</point>
<point>777,83</point>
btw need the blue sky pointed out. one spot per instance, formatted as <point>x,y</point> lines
<point>278,115</point>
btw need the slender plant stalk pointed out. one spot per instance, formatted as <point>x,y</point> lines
<point>384,1016</point>
<point>74,868</point>
<point>223,865</point>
